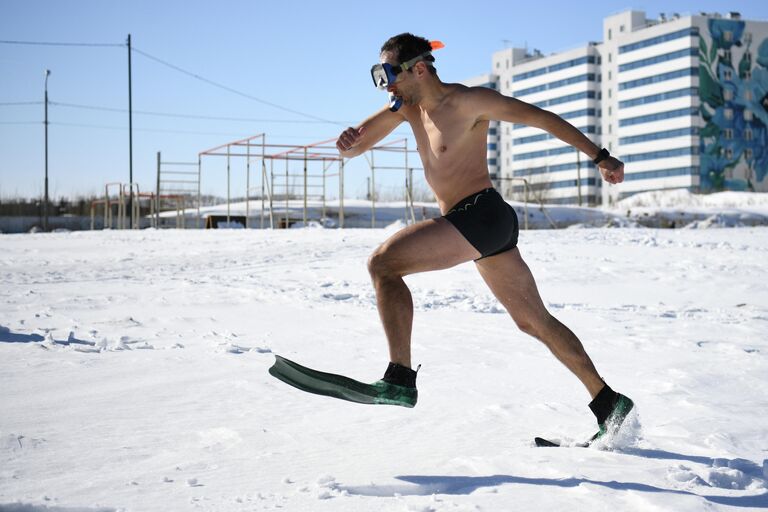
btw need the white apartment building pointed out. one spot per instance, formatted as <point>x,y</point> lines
<point>567,84</point>
<point>682,100</point>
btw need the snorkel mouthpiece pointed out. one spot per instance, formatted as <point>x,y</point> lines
<point>394,103</point>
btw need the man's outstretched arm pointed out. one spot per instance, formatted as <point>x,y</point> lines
<point>356,141</point>
<point>495,106</point>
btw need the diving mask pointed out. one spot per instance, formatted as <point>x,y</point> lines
<point>385,74</point>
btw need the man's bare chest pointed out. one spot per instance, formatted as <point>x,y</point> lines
<point>442,137</point>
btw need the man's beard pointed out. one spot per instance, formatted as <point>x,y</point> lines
<point>410,99</point>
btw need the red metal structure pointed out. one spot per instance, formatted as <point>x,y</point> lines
<point>256,150</point>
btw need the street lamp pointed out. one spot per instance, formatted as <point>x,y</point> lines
<point>45,203</point>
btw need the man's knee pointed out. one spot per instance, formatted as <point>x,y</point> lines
<point>380,264</point>
<point>536,326</point>
<point>527,327</point>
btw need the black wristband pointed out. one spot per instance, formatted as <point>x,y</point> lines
<point>602,155</point>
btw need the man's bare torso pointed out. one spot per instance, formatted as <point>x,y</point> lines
<point>452,144</point>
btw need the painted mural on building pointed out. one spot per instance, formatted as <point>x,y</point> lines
<point>733,87</point>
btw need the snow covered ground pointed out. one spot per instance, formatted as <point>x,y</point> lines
<point>133,375</point>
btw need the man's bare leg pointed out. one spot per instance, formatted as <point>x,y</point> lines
<point>511,281</point>
<point>429,245</point>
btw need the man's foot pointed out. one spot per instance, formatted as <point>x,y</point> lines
<point>393,394</point>
<point>398,386</point>
<point>610,409</point>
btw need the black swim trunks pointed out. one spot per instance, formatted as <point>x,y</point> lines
<point>486,221</point>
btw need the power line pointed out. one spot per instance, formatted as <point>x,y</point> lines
<point>107,127</point>
<point>180,70</point>
<point>183,116</point>
<point>234,91</point>
<point>151,130</point>
<point>158,130</point>
<point>165,114</point>
<point>183,132</point>
<point>14,103</point>
<point>47,43</point>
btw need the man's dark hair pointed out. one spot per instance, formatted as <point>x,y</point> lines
<point>407,46</point>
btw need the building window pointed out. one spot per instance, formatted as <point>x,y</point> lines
<point>748,154</point>
<point>748,134</point>
<point>728,133</point>
<point>670,75</point>
<point>609,74</point>
<point>609,57</point>
<point>728,95</point>
<point>609,34</point>
<point>665,134</point>
<point>727,75</point>
<point>747,115</point>
<point>728,113</point>
<point>507,63</point>
<point>748,74</point>
<point>666,153</point>
<point>610,111</point>
<point>748,95</point>
<point>727,55</point>
<point>609,92</point>
<point>729,153</point>
<point>648,118</point>
<point>610,128</point>
<point>498,65</point>
<point>687,32</point>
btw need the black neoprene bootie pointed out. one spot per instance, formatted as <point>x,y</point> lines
<point>400,375</point>
<point>603,403</point>
<point>611,409</point>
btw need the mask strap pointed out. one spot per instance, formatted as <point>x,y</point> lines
<point>405,66</point>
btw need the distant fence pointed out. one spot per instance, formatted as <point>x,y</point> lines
<point>70,222</point>
<point>25,224</point>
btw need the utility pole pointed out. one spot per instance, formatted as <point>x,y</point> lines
<point>130,136</point>
<point>45,201</point>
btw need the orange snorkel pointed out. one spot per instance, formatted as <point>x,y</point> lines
<point>436,45</point>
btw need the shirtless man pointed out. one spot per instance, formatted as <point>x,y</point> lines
<point>450,124</point>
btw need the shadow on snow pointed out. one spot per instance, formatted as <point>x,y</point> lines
<point>426,485</point>
<point>6,336</point>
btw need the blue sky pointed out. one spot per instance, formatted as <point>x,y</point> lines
<point>310,57</point>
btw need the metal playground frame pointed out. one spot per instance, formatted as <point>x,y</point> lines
<point>293,179</point>
<point>278,180</point>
